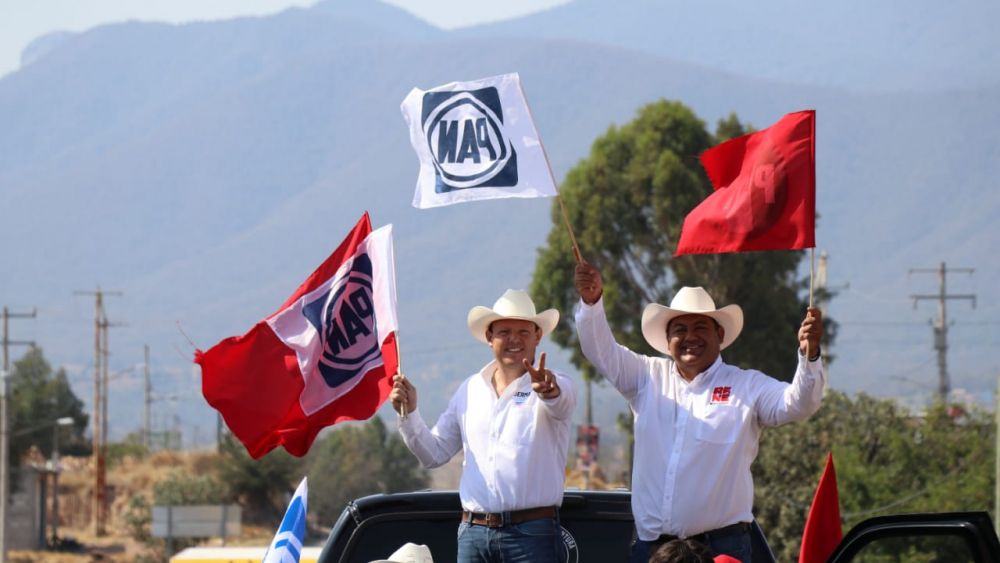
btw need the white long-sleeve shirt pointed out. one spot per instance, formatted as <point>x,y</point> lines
<point>694,442</point>
<point>515,444</point>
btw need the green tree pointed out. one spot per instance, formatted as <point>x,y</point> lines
<point>887,459</point>
<point>359,460</point>
<point>177,489</point>
<point>261,485</point>
<point>180,489</point>
<point>39,397</point>
<point>131,446</point>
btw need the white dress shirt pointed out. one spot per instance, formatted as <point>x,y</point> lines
<point>515,444</point>
<point>694,442</point>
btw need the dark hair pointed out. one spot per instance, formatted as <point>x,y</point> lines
<point>682,551</point>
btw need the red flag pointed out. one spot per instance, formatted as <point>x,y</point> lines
<point>822,532</point>
<point>327,355</point>
<point>765,192</point>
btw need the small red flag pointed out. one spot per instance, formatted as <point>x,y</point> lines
<point>327,355</point>
<point>765,192</point>
<point>822,532</point>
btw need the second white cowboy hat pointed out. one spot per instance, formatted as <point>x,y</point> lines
<point>689,301</point>
<point>513,304</point>
<point>409,553</point>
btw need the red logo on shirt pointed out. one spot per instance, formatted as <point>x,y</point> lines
<point>720,395</point>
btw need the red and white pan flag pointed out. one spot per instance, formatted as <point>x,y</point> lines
<point>326,355</point>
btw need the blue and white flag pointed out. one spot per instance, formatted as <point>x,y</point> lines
<point>287,543</point>
<point>476,140</point>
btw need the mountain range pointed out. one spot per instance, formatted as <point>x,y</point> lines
<point>205,169</point>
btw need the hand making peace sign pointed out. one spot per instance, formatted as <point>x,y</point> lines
<point>543,381</point>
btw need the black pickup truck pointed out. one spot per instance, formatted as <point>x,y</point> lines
<point>597,527</point>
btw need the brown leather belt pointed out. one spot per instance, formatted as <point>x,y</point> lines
<point>501,519</point>
<point>732,529</point>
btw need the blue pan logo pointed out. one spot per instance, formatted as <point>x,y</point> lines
<point>344,317</point>
<point>465,134</point>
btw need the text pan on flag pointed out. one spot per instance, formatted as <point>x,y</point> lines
<point>765,192</point>
<point>286,547</point>
<point>475,140</point>
<point>327,355</point>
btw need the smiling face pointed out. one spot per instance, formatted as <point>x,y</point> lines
<point>513,341</point>
<point>694,342</point>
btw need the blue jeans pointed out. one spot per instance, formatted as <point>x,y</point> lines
<point>734,545</point>
<point>534,541</point>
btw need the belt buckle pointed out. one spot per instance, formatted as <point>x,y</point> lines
<point>494,520</point>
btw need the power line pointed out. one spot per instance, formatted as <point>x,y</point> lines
<point>940,324</point>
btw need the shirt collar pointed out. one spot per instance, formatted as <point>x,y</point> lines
<point>486,375</point>
<point>701,377</point>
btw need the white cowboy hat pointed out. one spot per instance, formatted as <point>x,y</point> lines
<point>409,553</point>
<point>689,301</point>
<point>513,304</point>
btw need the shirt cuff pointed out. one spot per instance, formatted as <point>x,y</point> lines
<point>410,422</point>
<point>802,357</point>
<point>583,307</point>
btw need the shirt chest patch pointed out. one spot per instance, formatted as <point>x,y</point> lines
<point>720,395</point>
<point>521,397</point>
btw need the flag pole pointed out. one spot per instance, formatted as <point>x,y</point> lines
<point>399,364</point>
<point>812,250</point>
<point>812,273</point>
<point>399,357</point>
<point>552,176</point>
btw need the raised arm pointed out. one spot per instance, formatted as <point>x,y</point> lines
<point>783,402</point>
<point>623,368</point>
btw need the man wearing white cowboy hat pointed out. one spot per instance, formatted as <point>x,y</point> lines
<point>513,422</point>
<point>698,420</point>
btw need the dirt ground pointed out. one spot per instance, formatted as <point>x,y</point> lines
<point>126,478</point>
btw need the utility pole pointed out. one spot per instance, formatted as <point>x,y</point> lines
<point>148,399</point>
<point>5,423</point>
<point>826,291</point>
<point>940,325</point>
<point>100,406</point>
<point>105,351</point>
<point>218,432</point>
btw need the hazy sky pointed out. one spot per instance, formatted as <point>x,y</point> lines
<point>23,20</point>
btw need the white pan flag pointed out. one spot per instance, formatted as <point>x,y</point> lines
<point>475,140</point>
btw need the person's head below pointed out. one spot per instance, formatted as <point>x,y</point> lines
<point>681,551</point>
<point>409,553</point>
<point>512,328</point>
<point>691,330</point>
